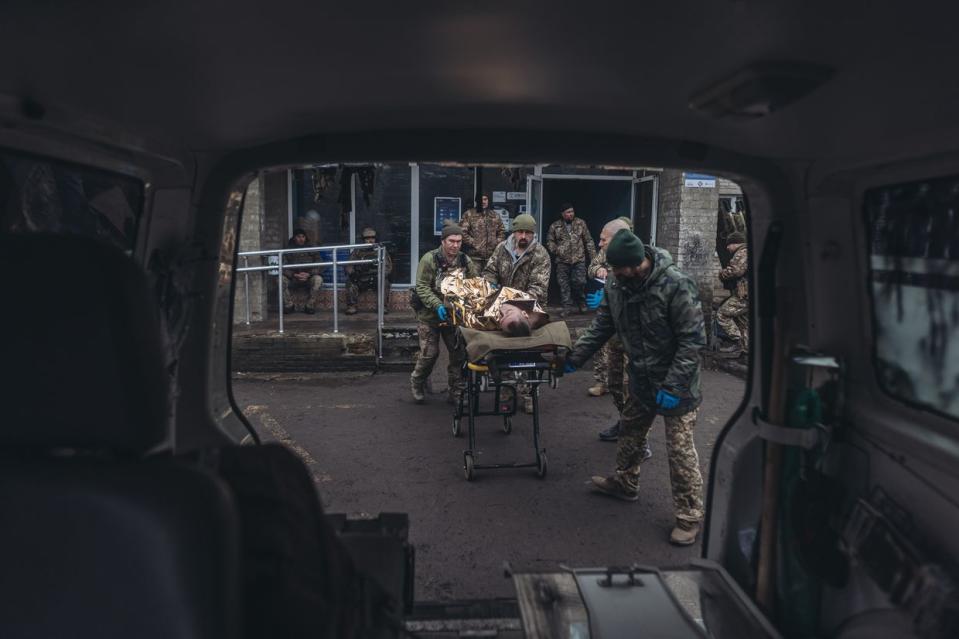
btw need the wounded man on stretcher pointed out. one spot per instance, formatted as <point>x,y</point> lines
<point>475,303</point>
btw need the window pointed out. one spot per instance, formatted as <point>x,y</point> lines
<point>914,281</point>
<point>40,195</point>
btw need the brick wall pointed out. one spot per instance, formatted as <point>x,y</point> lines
<point>686,227</point>
<point>251,239</point>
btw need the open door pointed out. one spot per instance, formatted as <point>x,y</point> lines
<point>644,207</point>
<point>534,201</point>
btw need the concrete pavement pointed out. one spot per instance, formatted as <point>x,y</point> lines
<point>372,450</point>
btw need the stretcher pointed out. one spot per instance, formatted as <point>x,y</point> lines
<point>495,362</point>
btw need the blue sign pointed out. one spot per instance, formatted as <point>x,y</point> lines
<point>445,208</point>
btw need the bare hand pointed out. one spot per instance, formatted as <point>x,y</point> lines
<point>601,273</point>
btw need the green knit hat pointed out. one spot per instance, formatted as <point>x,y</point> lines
<point>625,249</point>
<point>524,222</point>
<point>451,228</point>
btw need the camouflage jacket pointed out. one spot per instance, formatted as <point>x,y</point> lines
<point>735,272</point>
<point>482,231</point>
<point>529,273</point>
<point>306,257</point>
<point>366,272</point>
<point>572,246</point>
<point>660,323</point>
<point>432,269</point>
<point>599,261</point>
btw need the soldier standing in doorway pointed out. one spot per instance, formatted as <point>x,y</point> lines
<point>655,310</point>
<point>433,317</point>
<point>362,277</point>
<point>733,315</point>
<point>569,241</point>
<point>482,231</point>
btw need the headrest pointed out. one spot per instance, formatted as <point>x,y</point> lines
<point>82,354</point>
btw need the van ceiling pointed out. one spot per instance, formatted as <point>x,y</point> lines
<point>206,78</point>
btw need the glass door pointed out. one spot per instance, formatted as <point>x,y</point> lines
<point>644,208</point>
<point>534,201</point>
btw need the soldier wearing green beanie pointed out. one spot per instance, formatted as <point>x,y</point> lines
<point>433,316</point>
<point>655,310</point>
<point>522,263</point>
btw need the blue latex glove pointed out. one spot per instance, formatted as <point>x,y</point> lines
<point>442,313</point>
<point>593,300</point>
<point>568,368</point>
<point>665,399</point>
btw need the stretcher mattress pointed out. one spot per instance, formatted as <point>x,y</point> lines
<point>480,343</point>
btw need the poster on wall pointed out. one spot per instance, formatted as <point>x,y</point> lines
<point>499,196</point>
<point>504,218</point>
<point>445,208</point>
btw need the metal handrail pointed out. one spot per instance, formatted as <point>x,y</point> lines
<point>379,260</point>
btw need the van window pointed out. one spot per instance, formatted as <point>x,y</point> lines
<point>42,195</point>
<point>914,281</point>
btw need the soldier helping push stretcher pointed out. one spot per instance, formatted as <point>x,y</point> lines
<point>655,310</point>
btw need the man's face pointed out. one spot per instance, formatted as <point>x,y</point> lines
<point>369,239</point>
<point>627,272</point>
<point>451,245</point>
<point>568,215</point>
<point>299,239</point>
<point>604,237</point>
<point>523,238</point>
<point>484,202</point>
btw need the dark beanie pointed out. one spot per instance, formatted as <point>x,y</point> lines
<point>451,229</point>
<point>565,206</point>
<point>625,249</point>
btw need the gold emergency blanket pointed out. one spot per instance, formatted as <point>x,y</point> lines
<point>474,303</point>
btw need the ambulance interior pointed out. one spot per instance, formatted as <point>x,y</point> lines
<point>831,508</point>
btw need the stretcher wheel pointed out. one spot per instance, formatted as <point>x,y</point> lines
<point>456,426</point>
<point>541,464</point>
<point>468,466</point>
<point>507,424</point>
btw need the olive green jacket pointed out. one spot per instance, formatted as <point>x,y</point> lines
<point>660,322</point>
<point>529,272</point>
<point>432,269</point>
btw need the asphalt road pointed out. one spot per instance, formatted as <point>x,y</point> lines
<point>373,450</point>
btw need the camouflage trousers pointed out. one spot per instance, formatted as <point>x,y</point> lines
<point>733,317</point>
<point>684,475</point>
<point>609,369</point>
<point>297,294</point>
<point>571,279</point>
<point>355,286</point>
<point>429,337</point>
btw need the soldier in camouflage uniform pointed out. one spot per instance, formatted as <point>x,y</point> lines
<point>433,316</point>
<point>482,231</point>
<point>362,277</point>
<point>298,283</point>
<point>609,365</point>
<point>733,315</point>
<point>522,263</point>
<point>569,241</point>
<point>655,310</point>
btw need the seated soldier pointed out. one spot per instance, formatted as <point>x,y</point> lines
<point>300,281</point>
<point>362,277</point>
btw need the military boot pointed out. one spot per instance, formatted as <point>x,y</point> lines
<point>528,404</point>
<point>351,309</point>
<point>417,389</point>
<point>729,350</point>
<point>614,486</point>
<point>685,533</point>
<point>611,434</point>
<point>597,390</point>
